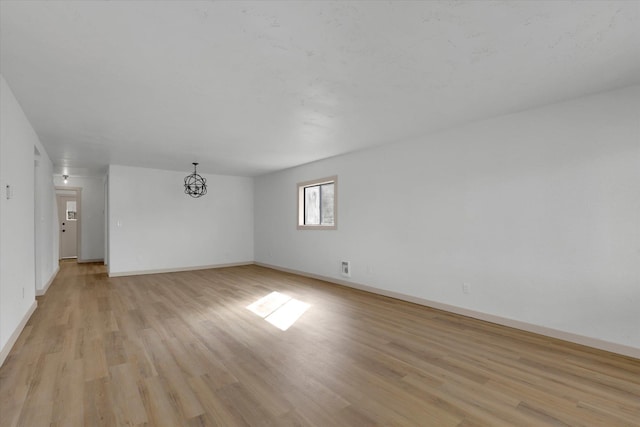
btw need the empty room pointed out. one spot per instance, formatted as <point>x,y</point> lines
<point>320,213</point>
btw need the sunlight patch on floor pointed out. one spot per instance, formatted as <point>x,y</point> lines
<point>280,310</point>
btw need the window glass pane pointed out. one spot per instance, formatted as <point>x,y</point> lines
<point>312,205</point>
<point>327,204</point>
<point>71,210</point>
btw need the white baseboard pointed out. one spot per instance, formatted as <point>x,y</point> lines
<point>524,326</point>
<point>40,292</point>
<point>82,261</point>
<point>176,270</point>
<point>16,333</point>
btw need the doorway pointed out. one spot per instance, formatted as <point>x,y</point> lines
<point>69,217</point>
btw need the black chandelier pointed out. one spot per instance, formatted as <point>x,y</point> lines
<point>194,184</point>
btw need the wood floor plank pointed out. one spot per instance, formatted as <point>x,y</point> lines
<point>217,413</point>
<point>162,409</point>
<point>68,402</point>
<point>128,403</point>
<point>99,407</point>
<point>182,349</point>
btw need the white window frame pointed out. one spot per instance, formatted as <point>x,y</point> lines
<point>300,206</point>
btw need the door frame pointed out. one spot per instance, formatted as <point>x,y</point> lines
<point>65,191</point>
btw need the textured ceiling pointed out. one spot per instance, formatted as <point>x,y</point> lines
<point>251,87</point>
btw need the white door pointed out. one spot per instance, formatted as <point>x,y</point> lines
<point>68,217</point>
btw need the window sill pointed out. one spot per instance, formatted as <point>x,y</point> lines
<point>317,227</point>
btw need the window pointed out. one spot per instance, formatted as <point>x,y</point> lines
<point>317,202</point>
<point>71,210</point>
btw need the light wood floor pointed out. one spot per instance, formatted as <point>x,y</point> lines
<point>182,349</point>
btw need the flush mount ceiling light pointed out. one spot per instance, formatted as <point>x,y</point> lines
<point>194,184</point>
<point>66,177</point>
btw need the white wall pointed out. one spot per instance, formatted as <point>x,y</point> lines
<point>18,142</point>
<point>105,231</point>
<point>154,226</point>
<point>92,214</point>
<point>46,223</point>
<point>538,211</point>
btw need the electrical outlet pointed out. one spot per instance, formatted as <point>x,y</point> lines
<point>345,268</point>
<point>466,288</point>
